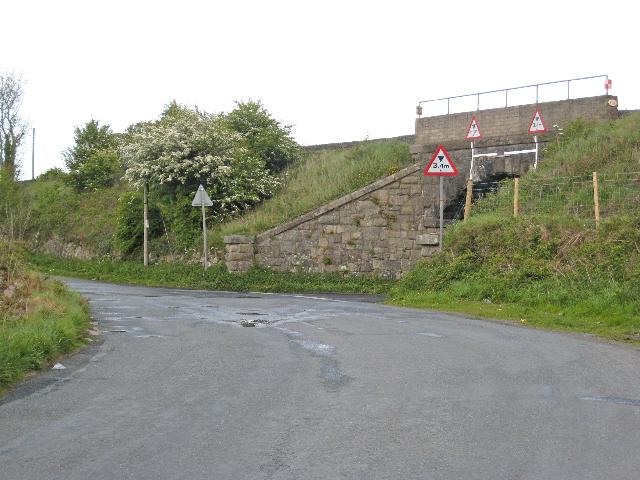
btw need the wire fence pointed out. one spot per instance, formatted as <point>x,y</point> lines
<point>588,197</point>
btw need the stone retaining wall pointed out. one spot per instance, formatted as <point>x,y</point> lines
<point>373,230</point>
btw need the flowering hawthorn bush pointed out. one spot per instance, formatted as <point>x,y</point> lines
<point>187,147</point>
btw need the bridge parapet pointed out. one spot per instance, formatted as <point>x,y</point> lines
<point>509,125</point>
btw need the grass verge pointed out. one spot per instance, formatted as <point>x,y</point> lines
<point>542,272</point>
<point>616,325</point>
<point>180,275</point>
<point>40,319</point>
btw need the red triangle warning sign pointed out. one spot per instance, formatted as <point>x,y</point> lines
<point>537,123</point>
<point>473,131</point>
<point>441,165</point>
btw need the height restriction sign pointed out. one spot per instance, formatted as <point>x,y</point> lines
<point>441,165</point>
<point>537,124</point>
<point>473,131</point>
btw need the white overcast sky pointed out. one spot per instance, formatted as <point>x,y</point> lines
<point>336,70</point>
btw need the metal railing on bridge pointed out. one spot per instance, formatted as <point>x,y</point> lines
<point>478,95</point>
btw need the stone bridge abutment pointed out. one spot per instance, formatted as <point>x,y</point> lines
<point>386,227</point>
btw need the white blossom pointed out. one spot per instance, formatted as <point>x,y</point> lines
<point>192,147</point>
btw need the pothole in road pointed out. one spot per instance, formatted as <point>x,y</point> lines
<point>254,323</point>
<point>330,375</point>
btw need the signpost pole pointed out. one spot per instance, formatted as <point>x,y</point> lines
<point>441,197</point>
<point>473,133</point>
<point>202,200</point>
<point>204,234</point>
<point>536,127</point>
<point>441,165</point>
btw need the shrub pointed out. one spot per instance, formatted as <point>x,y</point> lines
<point>264,137</point>
<point>185,148</point>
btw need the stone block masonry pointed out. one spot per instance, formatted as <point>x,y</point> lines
<point>386,227</point>
<point>505,123</point>
<point>239,254</point>
<point>372,230</point>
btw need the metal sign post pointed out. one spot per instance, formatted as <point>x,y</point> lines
<point>473,133</point>
<point>441,201</point>
<point>441,165</point>
<point>535,127</point>
<point>204,236</point>
<point>202,200</point>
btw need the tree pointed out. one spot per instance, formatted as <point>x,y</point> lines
<point>187,147</point>
<point>93,161</point>
<point>263,135</point>
<point>12,127</point>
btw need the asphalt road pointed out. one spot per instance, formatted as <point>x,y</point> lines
<point>320,389</point>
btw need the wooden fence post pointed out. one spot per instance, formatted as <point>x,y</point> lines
<point>596,199</point>
<point>516,195</point>
<point>467,202</point>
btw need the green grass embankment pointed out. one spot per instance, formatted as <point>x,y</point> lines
<point>55,212</point>
<point>546,274</point>
<point>40,319</point>
<point>321,177</point>
<point>548,268</point>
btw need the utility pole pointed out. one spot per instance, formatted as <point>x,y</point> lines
<point>33,154</point>
<point>146,224</point>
